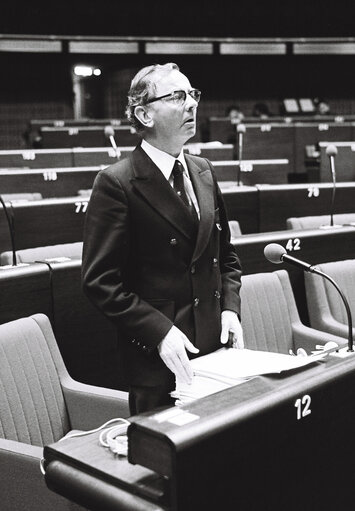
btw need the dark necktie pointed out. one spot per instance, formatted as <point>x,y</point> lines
<point>179,187</point>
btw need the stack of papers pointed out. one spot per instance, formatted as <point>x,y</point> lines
<point>227,367</point>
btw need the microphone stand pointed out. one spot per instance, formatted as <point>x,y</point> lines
<point>11,231</point>
<point>331,151</point>
<point>346,303</point>
<point>240,131</point>
<point>332,169</point>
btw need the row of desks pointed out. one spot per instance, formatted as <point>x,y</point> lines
<point>94,156</point>
<point>270,166</point>
<point>87,340</point>
<point>258,209</point>
<point>275,140</point>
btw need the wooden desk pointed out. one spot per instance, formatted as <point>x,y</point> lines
<point>50,183</point>
<point>36,158</point>
<point>279,202</point>
<point>253,171</point>
<point>344,162</point>
<point>241,204</point>
<point>313,133</point>
<point>86,136</point>
<point>270,443</point>
<point>44,222</point>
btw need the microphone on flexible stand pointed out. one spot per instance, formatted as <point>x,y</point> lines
<point>332,151</point>
<point>11,231</point>
<point>276,254</point>
<point>240,130</point>
<point>110,134</point>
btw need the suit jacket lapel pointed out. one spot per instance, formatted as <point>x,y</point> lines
<point>204,188</point>
<point>152,185</point>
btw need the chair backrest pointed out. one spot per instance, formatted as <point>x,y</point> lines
<point>29,255</point>
<point>234,228</point>
<point>32,405</point>
<point>268,311</point>
<point>313,222</point>
<point>323,298</point>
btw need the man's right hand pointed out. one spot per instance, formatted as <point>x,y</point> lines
<point>172,350</point>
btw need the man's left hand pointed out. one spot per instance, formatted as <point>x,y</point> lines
<point>231,325</point>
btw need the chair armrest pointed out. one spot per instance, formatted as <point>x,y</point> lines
<point>331,325</point>
<point>90,406</point>
<point>22,485</point>
<point>307,338</point>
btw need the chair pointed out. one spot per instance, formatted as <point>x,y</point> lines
<point>29,255</point>
<point>270,317</point>
<point>234,227</point>
<point>313,222</point>
<point>39,404</point>
<point>325,306</point>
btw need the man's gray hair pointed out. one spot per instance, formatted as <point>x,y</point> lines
<point>143,87</point>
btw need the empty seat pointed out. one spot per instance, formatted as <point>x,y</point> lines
<point>270,318</point>
<point>326,308</point>
<point>29,255</point>
<point>39,404</point>
<point>313,222</point>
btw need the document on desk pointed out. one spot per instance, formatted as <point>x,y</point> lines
<point>227,367</point>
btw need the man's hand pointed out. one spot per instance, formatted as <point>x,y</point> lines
<point>172,350</point>
<point>231,324</point>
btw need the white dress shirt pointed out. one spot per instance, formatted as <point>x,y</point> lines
<point>165,163</point>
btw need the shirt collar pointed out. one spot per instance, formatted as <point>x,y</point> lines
<point>164,161</point>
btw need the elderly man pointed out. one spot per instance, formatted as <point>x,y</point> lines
<point>157,257</point>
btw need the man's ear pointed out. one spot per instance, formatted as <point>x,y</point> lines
<point>143,116</point>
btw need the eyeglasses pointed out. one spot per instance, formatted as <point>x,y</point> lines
<point>178,96</point>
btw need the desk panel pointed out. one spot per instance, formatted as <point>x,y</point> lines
<point>86,136</point>
<point>313,133</point>
<point>277,203</point>
<point>241,204</point>
<point>344,162</point>
<point>269,141</point>
<point>253,171</point>
<point>36,158</point>
<point>86,338</point>
<point>44,222</point>
<point>49,182</point>
<point>92,156</point>
<point>25,290</point>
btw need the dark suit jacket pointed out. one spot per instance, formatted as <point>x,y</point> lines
<point>147,265</point>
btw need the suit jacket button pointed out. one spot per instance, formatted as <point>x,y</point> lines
<point>193,269</point>
<point>218,225</point>
<point>173,241</point>
<point>217,294</point>
<point>196,302</point>
<point>215,261</point>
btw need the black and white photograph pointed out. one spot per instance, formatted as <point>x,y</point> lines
<point>177,255</point>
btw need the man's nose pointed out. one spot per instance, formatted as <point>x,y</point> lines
<point>190,103</point>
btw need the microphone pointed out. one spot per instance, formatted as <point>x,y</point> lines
<point>276,254</point>
<point>11,231</point>
<point>331,152</point>
<point>110,134</point>
<point>240,130</point>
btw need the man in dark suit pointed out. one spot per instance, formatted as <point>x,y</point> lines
<point>157,256</point>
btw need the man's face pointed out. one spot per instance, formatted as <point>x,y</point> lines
<point>174,122</point>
